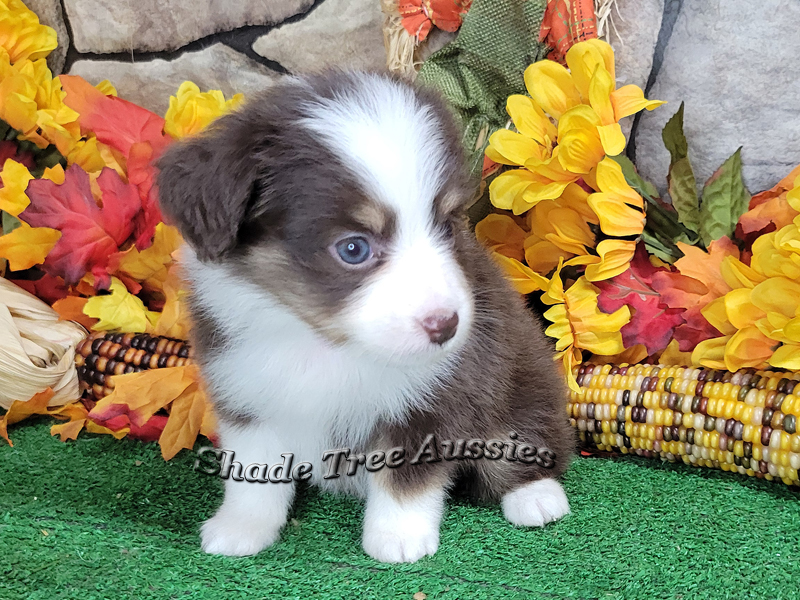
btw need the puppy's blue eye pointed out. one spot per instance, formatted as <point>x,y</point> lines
<point>354,250</point>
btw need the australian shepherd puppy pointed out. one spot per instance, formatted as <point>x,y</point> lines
<point>340,301</point>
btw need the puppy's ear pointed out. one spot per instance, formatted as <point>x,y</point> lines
<point>206,184</point>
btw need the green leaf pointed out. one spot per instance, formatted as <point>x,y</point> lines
<point>681,182</point>
<point>642,186</point>
<point>9,223</point>
<point>673,137</point>
<point>682,187</point>
<point>725,199</point>
<point>663,249</point>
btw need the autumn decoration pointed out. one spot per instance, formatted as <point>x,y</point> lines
<point>703,276</point>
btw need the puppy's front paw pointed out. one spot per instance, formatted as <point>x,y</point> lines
<point>536,503</point>
<point>397,546</point>
<point>233,534</point>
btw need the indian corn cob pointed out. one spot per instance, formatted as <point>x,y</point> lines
<point>744,421</point>
<point>102,355</point>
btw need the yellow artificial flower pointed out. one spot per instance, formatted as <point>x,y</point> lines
<point>614,258</point>
<point>585,103</point>
<point>748,347</point>
<point>522,277</point>
<point>618,207</point>
<point>191,110</point>
<point>21,34</point>
<point>501,234</point>
<point>578,324</point>
<point>711,353</point>
<point>770,257</point>
<point>32,102</point>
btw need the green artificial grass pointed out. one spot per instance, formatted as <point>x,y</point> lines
<point>101,518</point>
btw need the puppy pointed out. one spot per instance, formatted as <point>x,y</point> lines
<point>341,302</point>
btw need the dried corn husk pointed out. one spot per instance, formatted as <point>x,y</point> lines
<point>37,350</point>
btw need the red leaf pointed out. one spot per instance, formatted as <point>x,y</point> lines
<point>90,235</point>
<point>114,121</point>
<point>149,432</point>
<point>47,288</point>
<point>131,129</point>
<point>652,322</point>
<point>9,149</point>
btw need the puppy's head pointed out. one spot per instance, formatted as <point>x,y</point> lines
<point>342,196</point>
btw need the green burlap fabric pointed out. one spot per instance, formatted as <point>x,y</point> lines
<point>485,64</point>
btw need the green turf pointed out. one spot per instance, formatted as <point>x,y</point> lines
<point>100,518</point>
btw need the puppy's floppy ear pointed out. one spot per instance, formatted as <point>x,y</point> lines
<point>206,183</point>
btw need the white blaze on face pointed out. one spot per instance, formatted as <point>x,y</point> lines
<point>394,146</point>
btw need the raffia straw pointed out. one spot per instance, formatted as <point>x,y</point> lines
<point>37,350</point>
<point>400,45</point>
<point>603,13</point>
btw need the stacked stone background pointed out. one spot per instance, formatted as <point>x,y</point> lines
<point>734,62</point>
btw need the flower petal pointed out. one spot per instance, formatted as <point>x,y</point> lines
<point>530,120</point>
<point>505,188</point>
<point>748,347</point>
<point>612,139</point>
<point>551,86</point>
<point>629,100</point>
<point>510,148</point>
<point>584,58</point>
<point>615,258</point>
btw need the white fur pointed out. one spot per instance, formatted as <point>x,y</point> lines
<point>398,531</point>
<point>536,503</point>
<point>394,146</point>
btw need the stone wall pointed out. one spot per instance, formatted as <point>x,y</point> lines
<point>733,62</point>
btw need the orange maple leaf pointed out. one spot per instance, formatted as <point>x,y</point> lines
<point>706,267</point>
<point>71,309</point>
<point>22,409</point>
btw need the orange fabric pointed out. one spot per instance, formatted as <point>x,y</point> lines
<point>565,23</point>
<point>420,16</point>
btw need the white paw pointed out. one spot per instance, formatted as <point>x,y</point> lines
<point>234,534</point>
<point>396,546</point>
<point>536,503</point>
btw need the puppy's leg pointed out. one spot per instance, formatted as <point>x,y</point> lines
<point>535,503</point>
<point>403,527</point>
<point>252,514</point>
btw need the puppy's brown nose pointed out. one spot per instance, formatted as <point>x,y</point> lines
<point>440,328</point>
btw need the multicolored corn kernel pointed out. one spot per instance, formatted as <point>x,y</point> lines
<point>102,355</point>
<point>744,422</point>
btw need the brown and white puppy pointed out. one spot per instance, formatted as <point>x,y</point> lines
<point>340,300</point>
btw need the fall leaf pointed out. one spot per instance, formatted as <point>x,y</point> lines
<point>91,235</point>
<point>132,130</point>
<point>138,396</point>
<point>47,288</point>
<point>27,246</point>
<point>75,415</point>
<point>119,310</point>
<point>706,266</point>
<point>145,264</point>
<point>174,320</point>
<point>185,418</point>
<point>652,322</point>
<point>22,409</point>
<point>71,309</point>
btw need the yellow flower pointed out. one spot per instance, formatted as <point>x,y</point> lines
<point>578,324</point>
<point>522,277</point>
<point>585,103</point>
<point>191,110</point>
<point>614,257</point>
<point>618,207</point>
<point>21,34</point>
<point>748,347</point>
<point>31,101</point>
<point>771,257</point>
<point>501,234</point>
